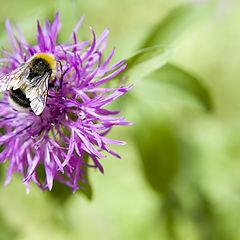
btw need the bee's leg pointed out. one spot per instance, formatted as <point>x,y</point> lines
<point>52,85</point>
<point>61,78</point>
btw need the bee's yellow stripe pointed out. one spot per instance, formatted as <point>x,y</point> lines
<point>48,57</point>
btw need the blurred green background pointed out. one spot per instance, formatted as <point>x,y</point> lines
<point>179,177</point>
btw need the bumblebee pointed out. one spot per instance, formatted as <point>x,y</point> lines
<point>28,84</point>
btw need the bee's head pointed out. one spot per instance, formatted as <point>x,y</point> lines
<point>39,64</point>
<point>42,60</point>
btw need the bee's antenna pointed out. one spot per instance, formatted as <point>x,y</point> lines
<point>59,62</point>
<point>62,75</point>
<point>61,78</point>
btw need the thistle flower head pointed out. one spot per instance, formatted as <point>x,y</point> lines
<point>74,122</point>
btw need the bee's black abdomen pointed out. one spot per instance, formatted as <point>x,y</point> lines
<point>19,98</point>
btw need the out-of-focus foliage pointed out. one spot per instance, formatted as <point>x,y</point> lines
<point>159,151</point>
<point>178,21</point>
<point>174,76</point>
<point>179,177</point>
<point>144,62</point>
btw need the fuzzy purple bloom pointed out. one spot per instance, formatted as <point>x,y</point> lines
<point>74,122</point>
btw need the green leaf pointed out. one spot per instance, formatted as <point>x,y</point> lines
<point>170,208</point>
<point>62,193</point>
<point>159,151</point>
<point>86,186</point>
<point>177,22</point>
<point>172,75</point>
<point>146,61</point>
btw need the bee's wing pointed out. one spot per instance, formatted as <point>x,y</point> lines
<point>37,94</point>
<point>12,79</point>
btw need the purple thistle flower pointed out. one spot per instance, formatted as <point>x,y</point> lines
<point>74,121</point>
